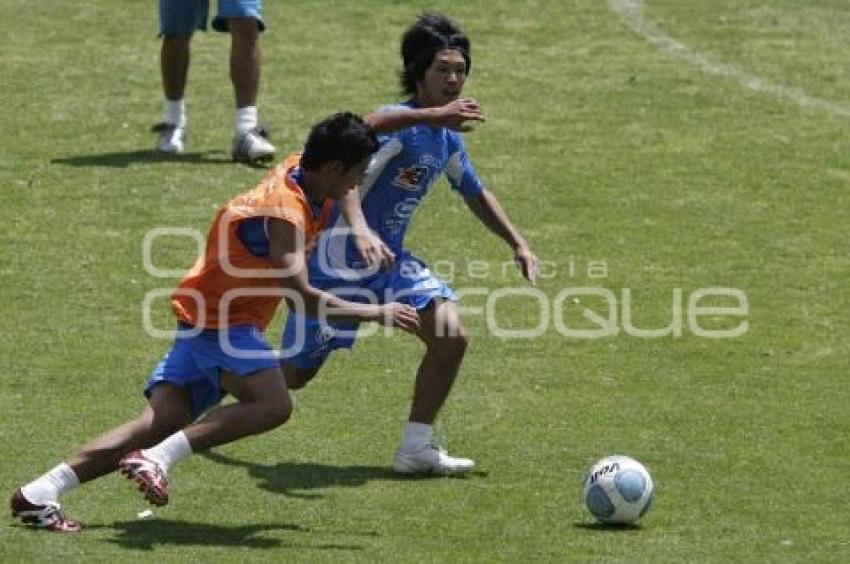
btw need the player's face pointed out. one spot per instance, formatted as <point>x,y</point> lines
<point>443,81</point>
<point>348,179</point>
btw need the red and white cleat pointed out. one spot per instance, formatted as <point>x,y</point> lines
<point>48,516</point>
<point>148,475</point>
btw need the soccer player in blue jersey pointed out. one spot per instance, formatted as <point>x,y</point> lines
<point>425,143</point>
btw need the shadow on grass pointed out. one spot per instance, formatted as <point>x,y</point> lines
<point>147,156</point>
<point>148,534</point>
<point>145,535</point>
<point>608,527</point>
<point>292,478</point>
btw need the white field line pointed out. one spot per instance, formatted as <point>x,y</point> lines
<point>631,12</point>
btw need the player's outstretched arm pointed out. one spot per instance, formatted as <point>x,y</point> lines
<point>459,115</point>
<point>486,208</point>
<point>286,250</point>
<point>370,246</point>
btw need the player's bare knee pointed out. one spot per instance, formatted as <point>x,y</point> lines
<point>274,412</point>
<point>453,344</point>
<point>281,410</point>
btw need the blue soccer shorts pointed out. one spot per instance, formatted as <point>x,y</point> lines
<point>183,17</point>
<point>197,358</point>
<point>307,342</point>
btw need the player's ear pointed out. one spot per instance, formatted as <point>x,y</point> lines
<point>331,169</point>
<point>335,168</point>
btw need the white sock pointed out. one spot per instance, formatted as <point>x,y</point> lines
<point>174,111</point>
<point>416,436</point>
<point>171,450</point>
<point>246,119</point>
<point>51,485</point>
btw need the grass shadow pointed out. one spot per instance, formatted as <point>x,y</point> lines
<point>298,479</point>
<point>147,156</point>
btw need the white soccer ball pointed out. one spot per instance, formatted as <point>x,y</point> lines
<point>618,489</point>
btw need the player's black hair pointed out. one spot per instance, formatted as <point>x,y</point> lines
<point>344,137</point>
<point>431,33</point>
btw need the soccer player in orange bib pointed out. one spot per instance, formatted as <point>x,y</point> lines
<point>223,305</point>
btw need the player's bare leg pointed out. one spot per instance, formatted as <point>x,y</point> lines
<point>37,503</point>
<point>168,411</point>
<point>264,404</point>
<point>446,340</point>
<point>245,58</point>
<point>249,141</point>
<point>174,67</point>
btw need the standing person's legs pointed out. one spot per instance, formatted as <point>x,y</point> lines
<point>245,59</point>
<point>178,20</point>
<point>174,67</point>
<point>244,21</point>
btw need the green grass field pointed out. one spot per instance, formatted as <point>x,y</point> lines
<point>603,146</point>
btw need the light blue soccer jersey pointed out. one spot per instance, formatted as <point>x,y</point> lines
<point>402,171</point>
<point>398,178</point>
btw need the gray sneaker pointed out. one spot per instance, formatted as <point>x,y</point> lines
<point>172,139</point>
<point>252,146</point>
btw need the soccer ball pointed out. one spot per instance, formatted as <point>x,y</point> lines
<point>618,489</point>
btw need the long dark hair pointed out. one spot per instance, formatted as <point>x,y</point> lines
<point>431,33</point>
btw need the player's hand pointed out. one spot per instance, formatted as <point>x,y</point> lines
<point>460,115</point>
<point>373,250</point>
<point>400,315</point>
<point>527,263</point>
